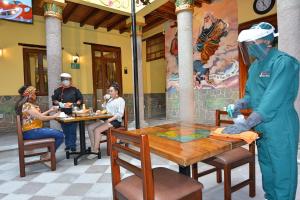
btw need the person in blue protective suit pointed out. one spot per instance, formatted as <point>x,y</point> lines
<point>271,90</point>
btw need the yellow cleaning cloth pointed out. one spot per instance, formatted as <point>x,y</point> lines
<point>247,136</point>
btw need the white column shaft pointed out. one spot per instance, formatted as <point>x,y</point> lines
<point>288,17</point>
<point>185,68</point>
<point>54,55</point>
<point>140,76</point>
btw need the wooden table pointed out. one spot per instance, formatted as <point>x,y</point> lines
<point>186,153</point>
<point>81,120</point>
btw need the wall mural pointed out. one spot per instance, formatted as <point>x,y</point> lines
<point>215,51</point>
<point>120,5</point>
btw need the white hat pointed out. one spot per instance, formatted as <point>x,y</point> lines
<point>65,75</point>
<point>257,31</point>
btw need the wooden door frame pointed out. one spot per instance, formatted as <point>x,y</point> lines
<point>26,66</point>
<point>98,47</point>
<point>243,69</point>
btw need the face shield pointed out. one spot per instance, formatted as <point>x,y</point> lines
<point>253,50</point>
<point>255,43</point>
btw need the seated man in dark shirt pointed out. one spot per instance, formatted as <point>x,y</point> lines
<point>65,96</point>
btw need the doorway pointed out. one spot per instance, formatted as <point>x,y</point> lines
<point>107,69</point>
<point>35,70</point>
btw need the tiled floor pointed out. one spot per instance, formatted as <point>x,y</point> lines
<point>91,179</point>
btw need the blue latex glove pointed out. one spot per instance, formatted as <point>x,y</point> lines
<point>231,110</point>
<point>238,106</point>
<point>253,120</point>
<point>236,128</point>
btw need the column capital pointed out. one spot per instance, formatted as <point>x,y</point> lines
<point>140,22</point>
<point>53,8</point>
<point>182,5</point>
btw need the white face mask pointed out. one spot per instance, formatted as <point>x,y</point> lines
<point>66,83</point>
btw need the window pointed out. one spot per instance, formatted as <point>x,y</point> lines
<point>155,47</point>
<point>35,70</point>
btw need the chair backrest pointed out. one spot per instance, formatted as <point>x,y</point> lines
<point>140,152</point>
<point>19,132</point>
<point>221,113</point>
<point>125,119</point>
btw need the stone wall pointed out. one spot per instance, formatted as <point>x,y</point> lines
<point>155,107</point>
<point>7,108</point>
<point>207,101</point>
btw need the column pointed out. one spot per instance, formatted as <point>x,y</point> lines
<point>53,16</point>
<point>140,22</point>
<point>288,17</point>
<point>184,11</point>
<point>140,73</point>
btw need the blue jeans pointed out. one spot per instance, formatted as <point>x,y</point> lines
<point>41,133</point>
<point>69,130</point>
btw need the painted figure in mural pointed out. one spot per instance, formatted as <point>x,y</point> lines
<point>174,47</point>
<point>67,96</point>
<point>212,31</point>
<point>172,58</point>
<point>271,90</point>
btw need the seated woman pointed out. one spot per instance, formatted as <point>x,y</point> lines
<point>115,106</point>
<point>32,118</point>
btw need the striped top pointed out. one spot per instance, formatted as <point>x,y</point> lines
<point>116,107</point>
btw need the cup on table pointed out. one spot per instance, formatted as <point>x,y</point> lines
<point>91,112</point>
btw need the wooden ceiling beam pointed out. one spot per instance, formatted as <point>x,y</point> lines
<point>154,24</point>
<point>168,10</point>
<point>150,18</point>
<point>169,5</point>
<point>206,1</point>
<point>198,4</point>
<point>67,15</point>
<point>101,21</point>
<point>124,29</point>
<point>164,15</point>
<point>88,16</point>
<point>114,25</point>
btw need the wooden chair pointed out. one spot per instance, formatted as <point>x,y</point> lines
<point>30,145</point>
<point>124,127</point>
<point>146,183</point>
<point>228,161</point>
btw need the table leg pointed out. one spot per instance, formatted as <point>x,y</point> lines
<point>185,170</point>
<point>83,149</point>
<point>82,136</point>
